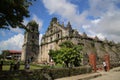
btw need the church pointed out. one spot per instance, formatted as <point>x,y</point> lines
<point>57,33</point>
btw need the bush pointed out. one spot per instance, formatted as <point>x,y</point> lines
<point>77,70</point>
<point>44,74</point>
<point>8,62</point>
<point>64,72</point>
<point>58,73</point>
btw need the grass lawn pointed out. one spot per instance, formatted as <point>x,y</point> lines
<point>7,67</point>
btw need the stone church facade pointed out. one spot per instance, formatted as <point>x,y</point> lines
<point>54,35</point>
<point>57,33</point>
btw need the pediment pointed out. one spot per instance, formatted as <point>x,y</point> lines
<point>54,28</point>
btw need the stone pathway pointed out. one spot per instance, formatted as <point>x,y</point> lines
<point>113,74</point>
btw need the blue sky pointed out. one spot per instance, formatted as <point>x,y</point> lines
<point>95,17</point>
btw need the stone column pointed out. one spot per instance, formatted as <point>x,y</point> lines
<point>107,60</point>
<point>92,61</point>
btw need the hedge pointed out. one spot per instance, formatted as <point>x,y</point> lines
<point>58,73</point>
<point>44,74</point>
<point>8,62</point>
<point>80,70</point>
<point>65,72</point>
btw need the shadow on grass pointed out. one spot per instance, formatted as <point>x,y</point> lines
<point>21,75</point>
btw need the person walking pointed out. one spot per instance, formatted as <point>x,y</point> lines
<point>104,65</point>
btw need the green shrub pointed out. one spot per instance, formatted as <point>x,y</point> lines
<point>8,62</point>
<point>59,72</point>
<point>80,70</point>
<point>64,72</point>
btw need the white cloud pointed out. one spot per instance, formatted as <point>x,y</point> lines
<point>16,30</point>
<point>96,21</point>
<point>113,37</point>
<point>14,43</point>
<point>25,22</point>
<point>59,6</point>
<point>108,25</point>
<point>99,35</point>
<point>66,10</point>
<point>100,7</point>
<point>85,26</point>
<point>105,13</point>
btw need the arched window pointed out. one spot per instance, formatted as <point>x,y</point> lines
<point>33,37</point>
<point>58,36</point>
<point>51,39</point>
<point>51,31</point>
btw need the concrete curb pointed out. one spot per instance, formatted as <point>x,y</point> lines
<point>81,77</point>
<point>91,77</point>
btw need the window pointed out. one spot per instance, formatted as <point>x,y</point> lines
<point>33,37</point>
<point>33,29</point>
<point>51,31</point>
<point>51,39</point>
<point>58,36</point>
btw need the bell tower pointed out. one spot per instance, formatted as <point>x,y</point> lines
<point>30,48</point>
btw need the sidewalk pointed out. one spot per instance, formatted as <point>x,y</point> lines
<point>113,74</point>
<point>81,77</point>
<point>89,76</point>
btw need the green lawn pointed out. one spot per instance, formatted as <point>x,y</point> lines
<point>7,67</point>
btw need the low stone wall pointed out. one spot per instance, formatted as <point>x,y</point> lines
<point>113,65</point>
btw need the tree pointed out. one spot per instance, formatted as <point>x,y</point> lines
<point>67,54</point>
<point>66,44</point>
<point>5,53</point>
<point>12,13</point>
<point>1,56</point>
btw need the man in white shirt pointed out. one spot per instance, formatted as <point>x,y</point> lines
<point>105,66</point>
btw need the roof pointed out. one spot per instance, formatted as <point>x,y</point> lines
<point>14,51</point>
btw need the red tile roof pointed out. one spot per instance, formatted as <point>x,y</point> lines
<point>14,52</point>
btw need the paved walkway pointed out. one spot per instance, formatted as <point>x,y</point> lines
<point>113,74</point>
